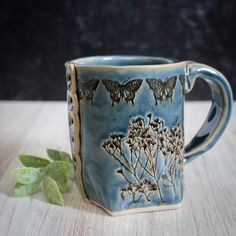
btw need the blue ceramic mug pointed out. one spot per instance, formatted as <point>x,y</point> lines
<point>126,128</point>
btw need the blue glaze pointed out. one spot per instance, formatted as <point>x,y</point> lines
<point>220,111</point>
<point>103,177</point>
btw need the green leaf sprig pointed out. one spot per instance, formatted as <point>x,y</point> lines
<point>51,176</point>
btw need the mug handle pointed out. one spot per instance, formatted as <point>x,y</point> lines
<point>220,111</point>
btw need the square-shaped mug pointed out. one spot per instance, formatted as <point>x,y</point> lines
<point>127,130</point>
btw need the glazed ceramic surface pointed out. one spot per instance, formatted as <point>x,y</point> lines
<point>126,128</point>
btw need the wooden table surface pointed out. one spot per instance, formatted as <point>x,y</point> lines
<point>209,206</point>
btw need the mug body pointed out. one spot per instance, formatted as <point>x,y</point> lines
<point>126,129</point>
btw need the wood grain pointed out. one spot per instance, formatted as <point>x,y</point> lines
<point>209,206</point>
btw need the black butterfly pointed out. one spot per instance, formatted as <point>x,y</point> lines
<point>162,90</point>
<point>86,89</point>
<point>125,91</point>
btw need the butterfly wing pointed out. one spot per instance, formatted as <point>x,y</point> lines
<point>130,88</point>
<point>87,88</point>
<point>113,87</point>
<point>169,87</point>
<point>157,87</point>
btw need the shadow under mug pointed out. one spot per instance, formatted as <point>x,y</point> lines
<point>127,131</point>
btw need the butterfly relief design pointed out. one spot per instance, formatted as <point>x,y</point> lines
<point>86,89</point>
<point>122,91</point>
<point>162,90</point>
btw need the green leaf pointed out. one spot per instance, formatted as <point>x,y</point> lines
<point>58,170</point>
<point>60,166</point>
<point>21,190</point>
<point>33,161</point>
<point>58,155</point>
<point>26,175</point>
<point>52,192</point>
<point>65,156</point>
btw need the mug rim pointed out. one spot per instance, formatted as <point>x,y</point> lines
<point>96,62</point>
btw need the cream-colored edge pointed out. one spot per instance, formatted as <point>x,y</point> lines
<point>76,129</point>
<point>141,67</point>
<point>138,210</point>
<point>132,67</point>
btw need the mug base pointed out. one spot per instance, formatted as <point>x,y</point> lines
<point>138,210</point>
<point>127,211</point>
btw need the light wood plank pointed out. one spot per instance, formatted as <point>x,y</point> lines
<point>209,206</point>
